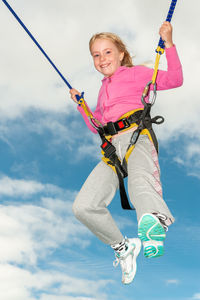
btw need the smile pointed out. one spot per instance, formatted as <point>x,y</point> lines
<point>104,66</point>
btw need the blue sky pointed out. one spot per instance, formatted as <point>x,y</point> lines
<point>46,153</point>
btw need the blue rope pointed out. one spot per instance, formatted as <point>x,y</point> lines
<point>169,17</point>
<point>37,44</point>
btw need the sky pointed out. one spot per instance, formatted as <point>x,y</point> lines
<point>46,152</point>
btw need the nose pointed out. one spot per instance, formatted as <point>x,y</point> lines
<point>102,58</point>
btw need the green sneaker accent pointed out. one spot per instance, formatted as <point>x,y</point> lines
<point>152,234</point>
<point>153,251</point>
<point>150,229</point>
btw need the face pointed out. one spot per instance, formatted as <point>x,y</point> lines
<point>106,56</point>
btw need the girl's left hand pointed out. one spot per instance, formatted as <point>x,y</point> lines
<point>166,34</point>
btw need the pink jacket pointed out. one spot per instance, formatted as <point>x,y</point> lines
<point>122,92</point>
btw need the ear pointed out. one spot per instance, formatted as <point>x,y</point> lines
<point>121,56</point>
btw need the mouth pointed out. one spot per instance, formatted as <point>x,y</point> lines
<point>104,66</point>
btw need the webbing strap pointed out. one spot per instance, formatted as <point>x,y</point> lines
<point>123,195</point>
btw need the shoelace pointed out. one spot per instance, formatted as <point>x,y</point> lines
<point>121,261</point>
<point>162,219</point>
<point>116,261</point>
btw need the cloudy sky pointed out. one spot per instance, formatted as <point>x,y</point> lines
<point>46,152</point>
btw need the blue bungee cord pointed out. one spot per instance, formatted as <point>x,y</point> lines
<point>168,19</point>
<point>36,43</point>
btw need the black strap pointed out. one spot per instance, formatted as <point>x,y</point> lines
<point>121,169</point>
<point>146,122</point>
<point>124,198</point>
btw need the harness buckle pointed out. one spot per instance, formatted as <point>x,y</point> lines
<point>123,124</point>
<point>135,136</point>
<point>108,148</point>
<point>111,128</point>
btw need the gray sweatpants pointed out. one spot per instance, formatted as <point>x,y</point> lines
<point>144,189</point>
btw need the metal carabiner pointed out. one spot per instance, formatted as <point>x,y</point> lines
<point>146,92</point>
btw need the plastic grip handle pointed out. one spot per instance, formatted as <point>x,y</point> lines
<point>80,98</point>
<point>168,19</point>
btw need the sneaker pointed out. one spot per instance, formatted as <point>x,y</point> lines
<point>127,260</point>
<point>152,234</point>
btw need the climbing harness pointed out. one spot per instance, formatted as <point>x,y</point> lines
<point>140,117</point>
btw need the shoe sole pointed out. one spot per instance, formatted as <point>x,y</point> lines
<point>152,234</point>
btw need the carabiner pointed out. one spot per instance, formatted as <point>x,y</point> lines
<point>146,92</point>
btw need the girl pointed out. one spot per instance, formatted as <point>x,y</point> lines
<point>121,91</point>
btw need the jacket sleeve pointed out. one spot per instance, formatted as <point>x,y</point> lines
<point>169,79</point>
<point>173,77</point>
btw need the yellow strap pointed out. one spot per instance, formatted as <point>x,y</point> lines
<point>83,104</point>
<point>88,113</point>
<point>159,51</point>
<point>128,153</point>
<point>156,68</point>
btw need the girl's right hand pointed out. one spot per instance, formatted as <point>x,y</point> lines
<point>73,94</point>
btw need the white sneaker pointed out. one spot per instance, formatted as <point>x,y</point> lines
<point>127,260</point>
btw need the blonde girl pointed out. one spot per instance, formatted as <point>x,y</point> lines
<point>120,93</point>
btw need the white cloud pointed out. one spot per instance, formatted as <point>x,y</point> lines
<point>25,188</point>
<point>54,297</point>
<point>196,296</point>
<point>193,150</point>
<point>173,281</point>
<point>19,284</point>
<point>15,187</point>
<point>29,235</point>
<point>188,156</point>
<point>29,231</point>
<point>14,283</point>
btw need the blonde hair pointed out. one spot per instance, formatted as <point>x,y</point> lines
<point>127,59</point>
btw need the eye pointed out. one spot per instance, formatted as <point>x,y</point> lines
<point>108,52</point>
<point>96,55</point>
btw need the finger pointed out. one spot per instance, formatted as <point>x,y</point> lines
<point>166,23</point>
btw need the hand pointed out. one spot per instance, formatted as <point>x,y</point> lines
<point>166,34</point>
<point>73,94</point>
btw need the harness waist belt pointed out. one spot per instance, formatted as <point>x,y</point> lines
<point>112,128</point>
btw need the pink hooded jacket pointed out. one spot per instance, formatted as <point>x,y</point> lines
<point>121,92</point>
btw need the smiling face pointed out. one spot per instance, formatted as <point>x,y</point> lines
<point>106,56</point>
